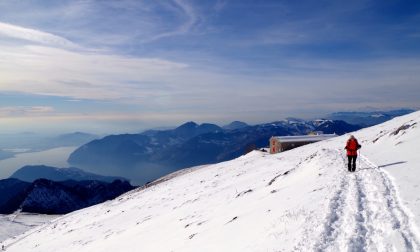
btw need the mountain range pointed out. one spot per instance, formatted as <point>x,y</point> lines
<point>368,118</point>
<point>149,155</point>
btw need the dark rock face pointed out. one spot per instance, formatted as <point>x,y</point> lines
<point>13,192</point>
<point>48,197</point>
<point>152,154</point>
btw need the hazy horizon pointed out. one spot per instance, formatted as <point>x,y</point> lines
<point>135,128</point>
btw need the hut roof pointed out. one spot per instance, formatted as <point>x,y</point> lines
<point>304,138</point>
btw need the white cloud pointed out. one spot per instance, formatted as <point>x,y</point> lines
<point>33,35</point>
<point>191,19</point>
<point>24,111</point>
<point>51,69</point>
<point>162,85</point>
<point>98,23</point>
<point>58,72</point>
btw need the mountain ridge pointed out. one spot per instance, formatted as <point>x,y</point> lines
<point>148,156</point>
<point>45,196</point>
<point>30,173</point>
<point>368,118</point>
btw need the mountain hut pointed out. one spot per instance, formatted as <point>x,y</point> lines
<point>284,143</point>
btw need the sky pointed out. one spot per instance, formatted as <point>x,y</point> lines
<point>128,65</point>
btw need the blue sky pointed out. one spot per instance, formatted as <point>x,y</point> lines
<point>117,66</point>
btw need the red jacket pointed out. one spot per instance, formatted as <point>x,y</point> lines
<point>352,146</point>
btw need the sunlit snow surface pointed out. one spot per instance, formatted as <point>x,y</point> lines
<point>299,200</point>
<point>16,224</point>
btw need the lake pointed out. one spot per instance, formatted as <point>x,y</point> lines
<point>56,157</point>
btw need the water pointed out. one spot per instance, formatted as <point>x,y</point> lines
<point>56,157</point>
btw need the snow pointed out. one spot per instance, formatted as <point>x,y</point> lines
<point>321,121</point>
<point>377,115</point>
<point>18,223</point>
<point>299,200</point>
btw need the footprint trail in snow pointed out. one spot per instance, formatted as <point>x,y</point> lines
<point>366,214</point>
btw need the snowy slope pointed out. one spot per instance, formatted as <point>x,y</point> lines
<point>300,200</point>
<point>15,224</point>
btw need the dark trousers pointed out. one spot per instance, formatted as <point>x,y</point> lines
<point>352,163</point>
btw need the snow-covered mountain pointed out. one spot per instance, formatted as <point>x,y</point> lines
<point>299,200</point>
<point>368,118</point>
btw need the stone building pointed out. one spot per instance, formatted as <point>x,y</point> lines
<point>283,143</point>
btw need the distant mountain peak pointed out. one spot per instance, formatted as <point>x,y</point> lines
<point>235,125</point>
<point>191,129</point>
<point>190,124</point>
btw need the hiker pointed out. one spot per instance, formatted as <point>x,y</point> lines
<point>352,146</point>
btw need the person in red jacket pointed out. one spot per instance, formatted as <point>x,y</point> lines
<point>352,146</point>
